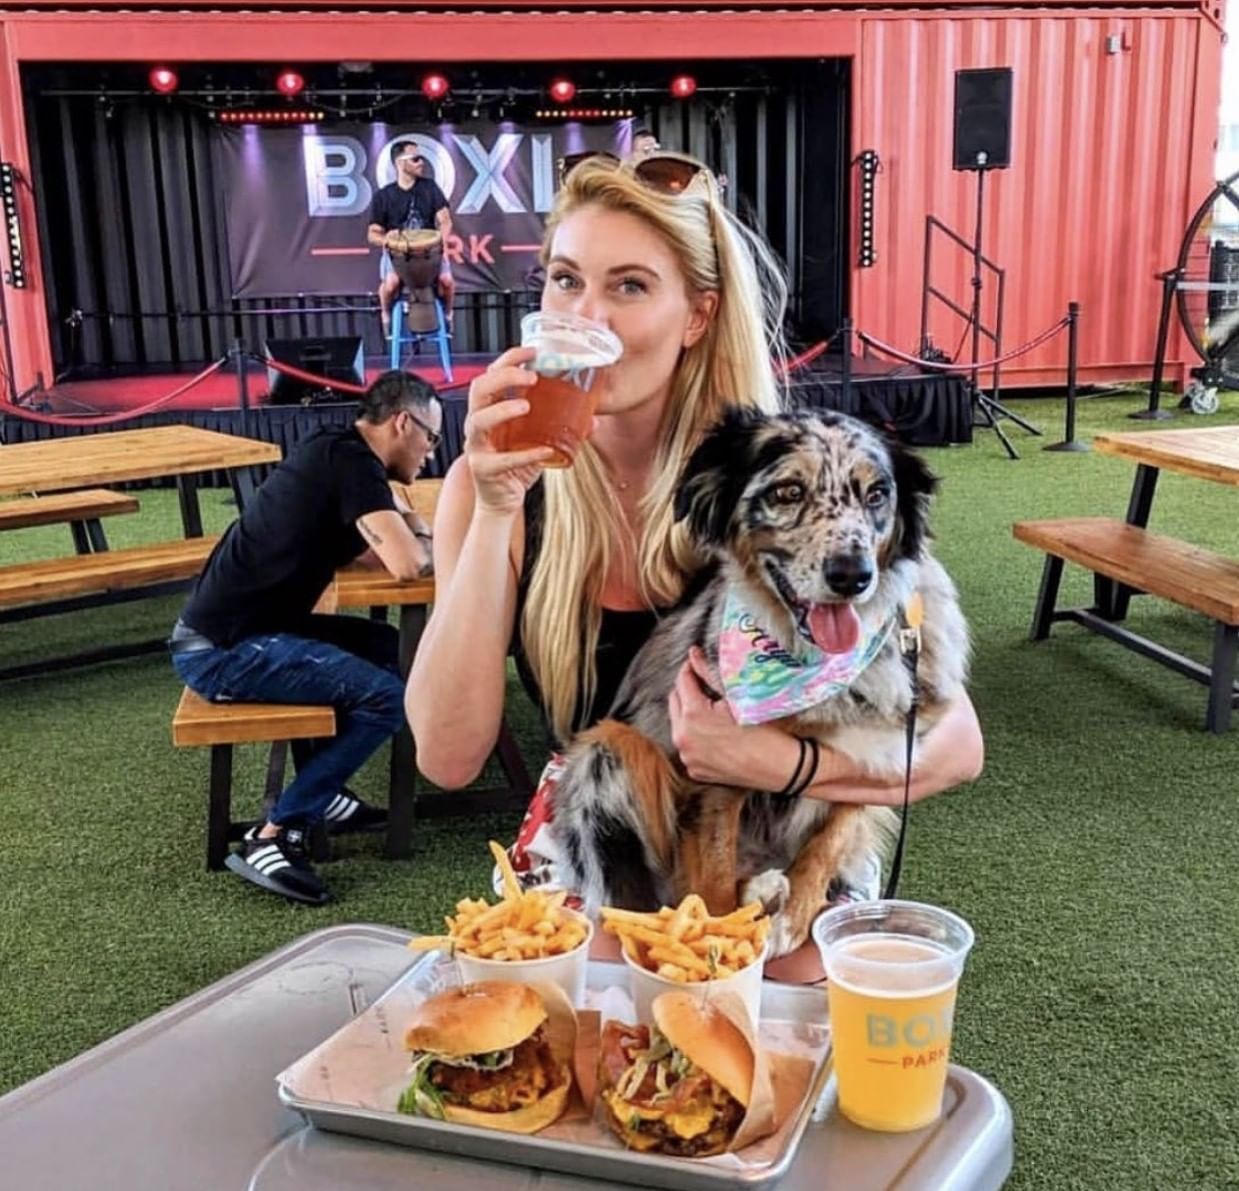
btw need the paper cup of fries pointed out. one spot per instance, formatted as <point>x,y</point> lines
<point>567,970</point>
<point>528,937</point>
<point>687,949</point>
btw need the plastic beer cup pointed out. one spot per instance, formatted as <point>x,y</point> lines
<point>573,364</point>
<point>892,970</point>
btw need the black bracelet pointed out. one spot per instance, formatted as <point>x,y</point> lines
<point>791,781</point>
<point>421,533</point>
<point>811,772</point>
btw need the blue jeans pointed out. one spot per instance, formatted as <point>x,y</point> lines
<point>345,661</point>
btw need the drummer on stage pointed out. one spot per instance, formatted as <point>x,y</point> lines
<point>411,202</point>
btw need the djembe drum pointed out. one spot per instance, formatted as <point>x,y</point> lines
<point>416,256</point>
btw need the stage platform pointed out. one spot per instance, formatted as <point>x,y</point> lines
<point>920,409</point>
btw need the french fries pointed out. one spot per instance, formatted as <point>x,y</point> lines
<point>526,924</point>
<point>686,944</point>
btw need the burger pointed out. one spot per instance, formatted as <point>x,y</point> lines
<point>481,1057</point>
<point>680,1086</point>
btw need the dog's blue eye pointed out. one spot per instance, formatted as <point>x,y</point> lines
<point>877,496</point>
<point>788,494</point>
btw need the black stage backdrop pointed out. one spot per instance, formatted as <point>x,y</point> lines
<point>299,199</point>
<point>134,216</point>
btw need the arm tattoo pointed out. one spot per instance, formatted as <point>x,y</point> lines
<point>366,532</point>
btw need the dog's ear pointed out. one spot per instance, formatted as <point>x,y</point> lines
<point>914,485</point>
<point>714,477</point>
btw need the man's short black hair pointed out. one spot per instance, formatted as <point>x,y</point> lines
<point>400,146</point>
<point>395,391</point>
<point>640,132</point>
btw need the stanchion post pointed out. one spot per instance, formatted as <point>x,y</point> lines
<point>845,383</point>
<point>243,383</point>
<point>1154,412</point>
<point>1073,341</point>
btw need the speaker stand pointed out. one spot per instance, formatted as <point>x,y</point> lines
<point>989,409</point>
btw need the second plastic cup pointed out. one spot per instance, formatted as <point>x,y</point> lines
<point>892,969</point>
<point>573,363</point>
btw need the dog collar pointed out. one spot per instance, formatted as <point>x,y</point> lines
<point>762,681</point>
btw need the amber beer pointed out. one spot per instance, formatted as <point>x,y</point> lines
<point>573,363</point>
<point>892,969</point>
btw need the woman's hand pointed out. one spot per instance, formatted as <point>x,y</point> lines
<point>713,748</point>
<point>501,478</point>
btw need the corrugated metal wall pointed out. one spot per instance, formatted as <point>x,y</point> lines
<point>1110,155</point>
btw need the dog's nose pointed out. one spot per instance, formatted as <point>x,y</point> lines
<point>848,574</point>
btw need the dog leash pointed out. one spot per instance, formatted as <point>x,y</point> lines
<point>911,619</point>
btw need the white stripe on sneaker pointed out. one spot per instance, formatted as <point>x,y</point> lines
<point>266,859</point>
<point>272,865</point>
<point>338,803</point>
<point>337,814</point>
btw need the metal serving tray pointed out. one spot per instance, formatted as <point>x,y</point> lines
<point>593,1151</point>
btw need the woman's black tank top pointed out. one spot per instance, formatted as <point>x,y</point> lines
<point>620,634</point>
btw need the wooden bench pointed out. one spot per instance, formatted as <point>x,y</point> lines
<point>81,510</point>
<point>198,723</point>
<point>1125,556</point>
<point>63,580</point>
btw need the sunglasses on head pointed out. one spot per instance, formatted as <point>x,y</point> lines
<point>667,173</point>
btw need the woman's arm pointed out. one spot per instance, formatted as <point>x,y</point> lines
<point>714,748</point>
<point>454,697</point>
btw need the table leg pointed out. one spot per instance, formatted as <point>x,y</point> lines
<point>403,795</point>
<point>1222,686</point>
<point>191,513</point>
<point>244,485</point>
<point>1139,507</point>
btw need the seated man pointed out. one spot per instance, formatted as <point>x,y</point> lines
<point>248,632</point>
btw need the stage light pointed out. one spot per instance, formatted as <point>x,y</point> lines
<point>289,83</point>
<point>869,164</point>
<point>435,86</point>
<point>270,116</point>
<point>563,90</point>
<point>683,86</point>
<point>12,226</point>
<point>163,80</point>
<point>584,114</point>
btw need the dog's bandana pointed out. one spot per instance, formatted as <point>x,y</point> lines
<point>763,681</point>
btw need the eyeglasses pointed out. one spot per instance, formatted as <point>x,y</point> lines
<point>668,173</point>
<point>433,437</point>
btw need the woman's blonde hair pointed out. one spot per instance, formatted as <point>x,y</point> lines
<point>733,364</point>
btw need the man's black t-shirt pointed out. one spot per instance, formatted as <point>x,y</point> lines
<point>274,562</point>
<point>393,208</point>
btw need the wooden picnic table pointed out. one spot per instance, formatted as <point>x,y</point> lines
<point>1126,559</point>
<point>89,460</point>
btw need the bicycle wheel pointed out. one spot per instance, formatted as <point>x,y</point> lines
<point>1207,294</point>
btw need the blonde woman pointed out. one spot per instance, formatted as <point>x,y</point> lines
<point>572,566</point>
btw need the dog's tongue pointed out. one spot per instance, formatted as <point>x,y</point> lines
<point>835,627</point>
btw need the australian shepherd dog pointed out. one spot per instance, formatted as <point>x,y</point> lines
<point>817,533</point>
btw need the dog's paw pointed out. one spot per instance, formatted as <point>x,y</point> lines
<point>785,935</point>
<point>771,888</point>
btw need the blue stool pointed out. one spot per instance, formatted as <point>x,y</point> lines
<point>401,336</point>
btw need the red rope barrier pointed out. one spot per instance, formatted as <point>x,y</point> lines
<point>111,419</point>
<point>340,386</point>
<point>804,359</point>
<point>980,365</point>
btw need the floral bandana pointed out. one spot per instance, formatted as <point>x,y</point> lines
<point>764,682</point>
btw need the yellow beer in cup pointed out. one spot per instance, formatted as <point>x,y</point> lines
<point>892,971</point>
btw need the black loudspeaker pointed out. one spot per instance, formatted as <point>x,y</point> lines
<point>983,119</point>
<point>338,357</point>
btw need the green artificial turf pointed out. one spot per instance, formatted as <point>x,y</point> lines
<point>1094,857</point>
